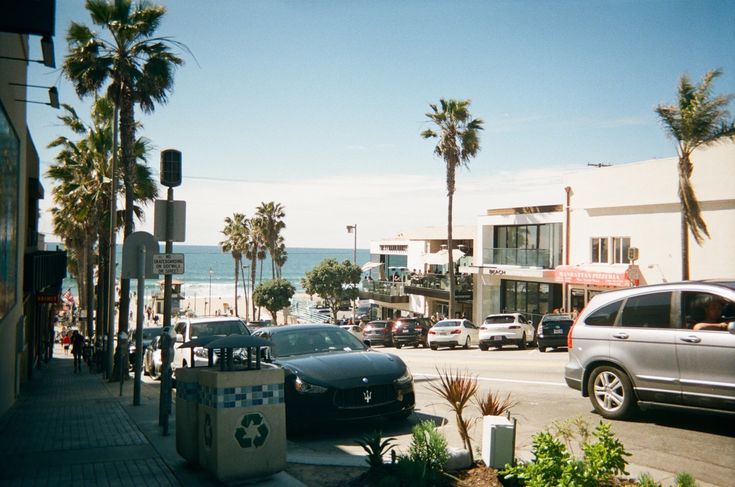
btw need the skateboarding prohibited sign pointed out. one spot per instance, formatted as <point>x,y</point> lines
<point>252,431</point>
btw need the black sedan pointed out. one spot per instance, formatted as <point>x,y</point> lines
<point>330,375</point>
<point>553,331</point>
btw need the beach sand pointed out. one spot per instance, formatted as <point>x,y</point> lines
<point>224,304</point>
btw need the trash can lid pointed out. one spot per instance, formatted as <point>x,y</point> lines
<point>200,341</point>
<point>238,341</point>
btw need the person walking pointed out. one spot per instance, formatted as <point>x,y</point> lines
<point>66,341</point>
<point>77,349</point>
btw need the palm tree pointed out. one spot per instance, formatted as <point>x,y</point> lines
<point>236,235</point>
<point>254,249</point>
<point>458,142</point>
<point>270,215</point>
<point>697,119</point>
<point>139,68</point>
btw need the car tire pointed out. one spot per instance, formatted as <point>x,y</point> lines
<point>155,373</point>
<point>611,392</point>
<point>398,345</point>
<point>522,344</point>
<point>498,347</point>
<point>483,347</point>
<point>434,347</point>
<point>467,343</point>
<point>542,349</point>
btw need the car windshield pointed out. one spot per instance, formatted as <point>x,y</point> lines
<point>498,319</point>
<point>211,328</point>
<point>309,341</point>
<point>448,324</point>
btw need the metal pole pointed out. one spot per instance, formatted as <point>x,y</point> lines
<point>209,312</point>
<point>139,327</point>
<point>354,261</point>
<point>165,406</point>
<point>111,258</point>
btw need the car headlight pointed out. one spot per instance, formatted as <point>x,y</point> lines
<point>306,388</point>
<point>406,378</point>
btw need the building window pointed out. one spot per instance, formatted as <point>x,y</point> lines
<point>9,197</point>
<point>526,245</point>
<point>599,250</point>
<point>620,250</point>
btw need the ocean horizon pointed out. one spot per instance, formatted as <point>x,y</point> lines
<point>200,259</point>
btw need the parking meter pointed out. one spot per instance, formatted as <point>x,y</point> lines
<point>168,340</point>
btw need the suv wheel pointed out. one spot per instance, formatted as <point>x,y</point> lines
<point>541,348</point>
<point>610,392</point>
<point>434,347</point>
<point>398,345</point>
<point>467,343</point>
<point>483,347</point>
<point>522,343</point>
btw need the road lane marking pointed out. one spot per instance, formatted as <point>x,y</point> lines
<point>498,379</point>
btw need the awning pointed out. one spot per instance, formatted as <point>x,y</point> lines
<point>442,257</point>
<point>370,265</point>
<point>598,276</point>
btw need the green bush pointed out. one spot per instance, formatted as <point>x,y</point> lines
<point>646,480</point>
<point>375,447</point>
<point>684,479</point>
<point>553,463</point>
<point>428,451</point>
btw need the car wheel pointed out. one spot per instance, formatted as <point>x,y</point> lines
<point>522,343</point>
<point>541,348</point>
<point>467,343</point>
<point>498,347</point>
<point>434,347</point>
<point>483,347</point>
<point>398,345</point>
<point>610,392</point>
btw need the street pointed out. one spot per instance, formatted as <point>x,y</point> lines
<point>658,440</point>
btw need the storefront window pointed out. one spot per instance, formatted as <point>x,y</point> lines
<point>9,195</point>
<point>534,299</point>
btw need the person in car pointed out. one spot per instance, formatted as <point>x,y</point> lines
<point>712,315</point>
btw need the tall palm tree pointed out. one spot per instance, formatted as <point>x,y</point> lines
<point>139,67</point>
<point>697,119</point>
<point>236,235</point>
<point>254,249</point>
<point>458,142</point>
<point>270,215</point>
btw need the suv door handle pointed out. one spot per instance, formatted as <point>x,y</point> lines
<point>621,335</point>
<point>690,339</point>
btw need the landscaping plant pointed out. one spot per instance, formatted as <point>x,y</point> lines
<point>375,446</point>
<point>553,463</point>
<point>428,453</point>
<point>491,405</point>
<point>458,388</point>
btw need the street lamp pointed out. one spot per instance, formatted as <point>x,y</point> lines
<point>210,291</point>
<point>353,229</point>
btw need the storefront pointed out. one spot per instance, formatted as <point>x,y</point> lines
<point>584,282</point>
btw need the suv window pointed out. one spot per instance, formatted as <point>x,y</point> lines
<point>648,311</point>
<point>604,316</point>
<point>694,308</point>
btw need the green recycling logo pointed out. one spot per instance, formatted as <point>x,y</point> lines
<point>208,430</point>
<point>252,432</point>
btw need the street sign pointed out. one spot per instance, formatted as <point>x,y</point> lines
<point>178,226</point>
<point>131,247</point>
<point>168,263</point>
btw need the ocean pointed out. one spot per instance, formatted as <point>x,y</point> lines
<point>200,259</point>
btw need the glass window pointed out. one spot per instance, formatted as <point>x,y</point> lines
<point>620,250</point>
<point>648,311</point>
<point>9,213</point>
<point>703,308</point>
<point>599,250</point>
<point>532,236</point>
<point>604,316</point>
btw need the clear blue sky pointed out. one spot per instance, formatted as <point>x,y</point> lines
<point>319,104</point>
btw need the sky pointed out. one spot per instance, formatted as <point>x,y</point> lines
<point>319,105</point>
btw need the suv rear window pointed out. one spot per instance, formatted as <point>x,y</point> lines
<point>235,327</point>
<point>604,316</point>
<point>648,311</point>
<point>493,320</point>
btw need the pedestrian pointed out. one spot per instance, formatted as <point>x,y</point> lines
<point>66,341</point>
<point>77,349</point>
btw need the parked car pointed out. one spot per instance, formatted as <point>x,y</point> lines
<point>379,332</point>
<point>506,329</point>
<point>552,331</point>
<point>189,328</point>
<point>411,331</point>
<point>355,330</point>
<point>656,345</point>
<point>452,333</point>
<point>149,334</point>
<point>332,376</point>
<point>152,361</point>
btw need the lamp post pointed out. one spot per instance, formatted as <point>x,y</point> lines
<point>353,230</point>
<point>210,291</point>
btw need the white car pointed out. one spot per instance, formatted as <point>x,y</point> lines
<point>355,330</point>
<point>506,329</point>
<point>453,333</point>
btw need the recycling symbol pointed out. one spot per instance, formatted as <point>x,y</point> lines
<point>208,430</point>
<point>252,432</point>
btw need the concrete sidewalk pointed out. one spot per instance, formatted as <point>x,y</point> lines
<point>74,429</point>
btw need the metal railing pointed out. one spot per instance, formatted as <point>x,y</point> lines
<point>522,257</point>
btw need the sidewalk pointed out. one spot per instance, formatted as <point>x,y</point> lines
<point>74,429</point>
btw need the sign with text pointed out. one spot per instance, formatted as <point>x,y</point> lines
<point>168,263</point>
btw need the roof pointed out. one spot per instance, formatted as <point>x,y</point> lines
<point>459,232</point>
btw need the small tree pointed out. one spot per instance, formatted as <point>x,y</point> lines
<point>333,282</point>
<point>274,295</point>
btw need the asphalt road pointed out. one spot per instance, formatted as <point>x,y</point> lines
<point>659,440</point>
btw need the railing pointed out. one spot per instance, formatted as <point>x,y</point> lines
<point>387,288</point>
<point>304,312</point>
<point>522,257</point>
<point>463,282</point>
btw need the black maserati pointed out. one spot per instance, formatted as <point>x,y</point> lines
<point>330,375</point>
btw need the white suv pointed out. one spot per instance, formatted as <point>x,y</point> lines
<point>506,329</point>
<point>189,328</point>
<point>669,344</point>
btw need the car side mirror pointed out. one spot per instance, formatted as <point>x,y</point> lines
<point>731,328</point>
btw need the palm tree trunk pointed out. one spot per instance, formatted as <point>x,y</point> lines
<point>127,136</point>
<point>245,293</point>
<point>237,264</point>
<point>252,277</point>
<point>450,257</point>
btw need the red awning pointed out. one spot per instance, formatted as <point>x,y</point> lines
<point>623,277</point>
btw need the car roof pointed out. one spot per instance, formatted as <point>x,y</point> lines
<point>213,319</point>
<point>552,317</point>
<point>515,315</point>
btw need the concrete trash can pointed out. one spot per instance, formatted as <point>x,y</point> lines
<point>242,423</point>
<point>187,413</point>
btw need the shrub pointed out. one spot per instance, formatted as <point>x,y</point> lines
<point>646,480</point>
<point>428,451</point>
<point>375,447</point>
<point>684,479</point>
<point>553,463</point>
<point>491,405</point>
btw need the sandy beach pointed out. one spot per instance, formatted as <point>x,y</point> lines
<point>223,304</point>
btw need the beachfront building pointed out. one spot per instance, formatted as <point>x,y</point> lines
<point>614,226</point>
<point>408,274</point>
<point>30,278</point>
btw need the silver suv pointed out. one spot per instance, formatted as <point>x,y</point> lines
<point>670,344</point>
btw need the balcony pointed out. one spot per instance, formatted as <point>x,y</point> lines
<point>437,286</point>
<point>520,257</point>
<point>384,291</point>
